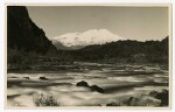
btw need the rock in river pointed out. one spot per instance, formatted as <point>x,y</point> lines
<point>43,78</point>
<point>96,88</point>
<point>83,84</point>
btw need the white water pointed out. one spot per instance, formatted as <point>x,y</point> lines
<point>68,94</point>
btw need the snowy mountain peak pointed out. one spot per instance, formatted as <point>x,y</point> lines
<point>90,37</point>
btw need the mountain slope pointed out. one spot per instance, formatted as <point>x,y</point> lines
<point>24,35</point>
<point>60,46</point>
<point>126,51</point>
<point>90,37</point>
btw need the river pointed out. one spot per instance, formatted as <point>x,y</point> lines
<point>119,84</point>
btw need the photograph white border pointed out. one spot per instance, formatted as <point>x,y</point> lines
<point>67,109</point>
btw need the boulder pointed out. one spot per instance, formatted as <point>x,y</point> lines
<point>153,93</point>
<point>142,101</point>
<point>97,88</point>
<point>162,96</point>
<point>113,104</point>
<point>43,78</point>
<point>83,84</point>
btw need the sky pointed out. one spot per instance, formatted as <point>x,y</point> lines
<point>134,23</point>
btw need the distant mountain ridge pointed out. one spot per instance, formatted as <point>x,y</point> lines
<point>127,51</point>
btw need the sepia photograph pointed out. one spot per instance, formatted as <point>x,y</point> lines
<point>75,56</point>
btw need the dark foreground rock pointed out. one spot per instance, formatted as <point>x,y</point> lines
<point>143,101</point>
<point>136,101</point>
<point>83,84</point>
<point>92,88</point>
<point>113,104</point>
<point>43,78</point>
<point>96,88</point>
<point>162,96</point>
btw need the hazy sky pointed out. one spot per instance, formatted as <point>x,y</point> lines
<point>139,23</point>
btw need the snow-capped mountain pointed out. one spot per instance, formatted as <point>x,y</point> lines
<point>90,37</point>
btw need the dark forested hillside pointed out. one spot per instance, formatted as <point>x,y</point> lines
<point>23,34</point>
<point>24,37</point>
<point>124,52</point>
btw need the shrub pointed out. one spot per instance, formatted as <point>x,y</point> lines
<point>45,100</point>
